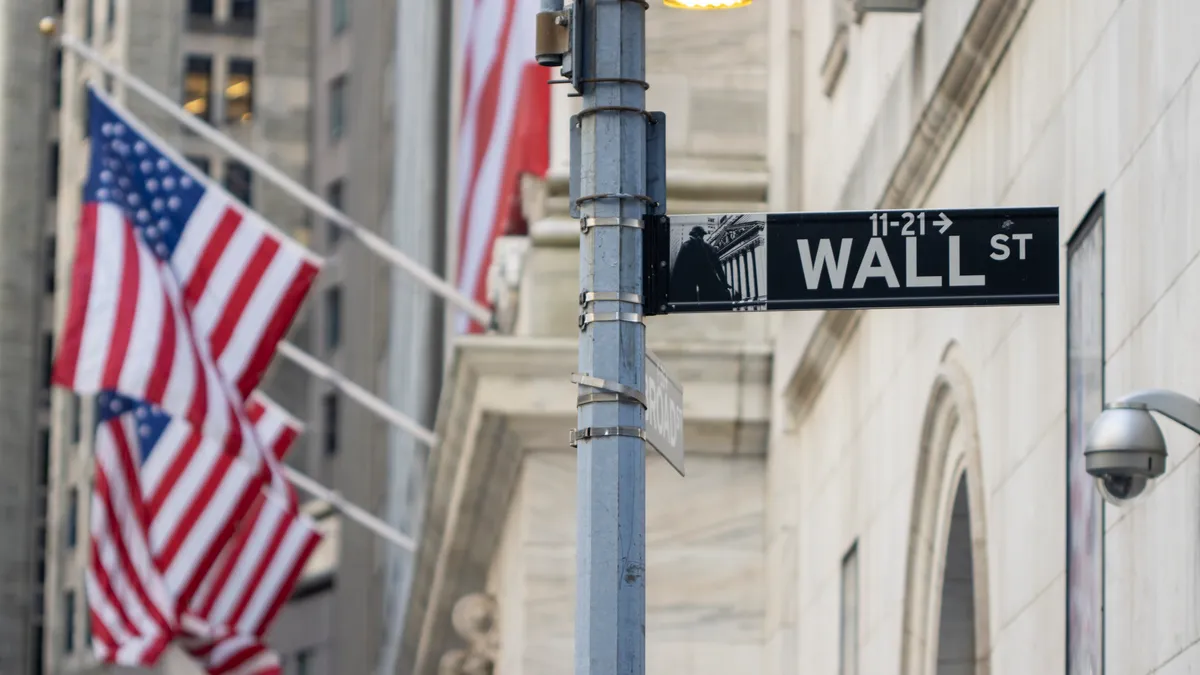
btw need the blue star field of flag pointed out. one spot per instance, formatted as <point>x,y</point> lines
<point>150,420</point>
<point>156,194</point>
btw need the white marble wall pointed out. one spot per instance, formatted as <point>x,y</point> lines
<point>1092,96</point>
<point>705,593</point>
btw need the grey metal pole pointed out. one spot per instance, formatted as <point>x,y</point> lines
<point>610,615</point>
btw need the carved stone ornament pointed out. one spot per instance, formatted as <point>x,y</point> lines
<point>474,619</point>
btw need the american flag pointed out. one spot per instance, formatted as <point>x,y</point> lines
<point>179,297</point>
<point>179,293</point>
<point>136,597</point>
<point>257,572</point>
<point>504,131</point>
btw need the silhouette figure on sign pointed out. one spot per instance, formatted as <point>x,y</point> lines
<point>698,275</point>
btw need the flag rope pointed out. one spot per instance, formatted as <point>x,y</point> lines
<point>372,241</point>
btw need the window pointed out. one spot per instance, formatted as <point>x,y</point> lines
<point>72,517</point>
<point>51,261</point>
<point>110,18</point>
<point>76,412</point>
<point>848,631</point>
<point>56,80</point>
<point>333,317</point>
<point>201,8</point>
<point>337,108</point>
<point>329,408</point>
<point>200,162</point>
<point>43,475</point>
<point>239,91</point>
<point>89,20</point>
<point>1085,399</point>
<point>52,171</point>
<point>68,622</point>
<point>39,635</point>
<point>303,660</point>
<point>341,15</point>
<point>239,181</point>
<point>47,360</point>
<point>333,194</point>
<point>87,626</point>
<point>197,86</point>
<point>243,10</point>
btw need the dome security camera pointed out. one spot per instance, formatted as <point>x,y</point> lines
<point>1126,450</point>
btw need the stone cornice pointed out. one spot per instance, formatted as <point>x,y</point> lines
<point>505,395</point>
<point>916,159</point>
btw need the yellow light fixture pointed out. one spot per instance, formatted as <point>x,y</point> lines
<point>706,4</point>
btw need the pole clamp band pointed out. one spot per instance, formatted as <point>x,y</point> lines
<point>589,222</point>
<point>609,296</point>
<point>592,317</point>
<point>587,433</point>
<point>621,392</point>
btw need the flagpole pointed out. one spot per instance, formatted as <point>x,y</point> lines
<point>358,393</point>
<point>351,510</point>
<point>372,241</point>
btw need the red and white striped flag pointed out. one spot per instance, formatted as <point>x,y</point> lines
<point>256,574</point>
<point>179,295</point>
<point>176,307</point>
<point>504,131</point>
<point>133,615</point>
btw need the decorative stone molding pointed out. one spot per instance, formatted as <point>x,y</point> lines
<point>913,163</point>
<point>474,619</point>
<point>950,410</point>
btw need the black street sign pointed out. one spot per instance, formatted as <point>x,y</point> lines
<point>852,259</point>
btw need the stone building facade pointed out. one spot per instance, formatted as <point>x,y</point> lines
<point>868,492</point>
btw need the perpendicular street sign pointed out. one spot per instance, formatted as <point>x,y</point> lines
<point>664,413</point>
<point>852,259</point>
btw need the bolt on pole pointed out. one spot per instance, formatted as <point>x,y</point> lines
<point>610,618</point>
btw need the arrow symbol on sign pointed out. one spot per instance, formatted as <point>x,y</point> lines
<point>944,221</point>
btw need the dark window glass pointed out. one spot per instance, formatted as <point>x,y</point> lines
<point>239,91</point>
<point>200,7</point>
<point>337,108</point>
<point>333,317</point>
<point>76,412</point>
<point>89,25</point>
<point>47,360</point>
<point>69,622</point>
<point>334,194</point>
<point>244,10</point>
<point>329,406</point>
<point>37,667</point>
<point>52,171</point>
<point>43,476</point>
<point>72,517</point>
<point>56,83</point>
<point>239,181</point>
<point>201,162</point>
<point>51,261</point>
<point>197,86</point>
<point>341,15</point>
<point>303,661</point>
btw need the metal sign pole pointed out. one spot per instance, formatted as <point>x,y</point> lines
<point>611,165</point>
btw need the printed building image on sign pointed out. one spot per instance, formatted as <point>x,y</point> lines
<point>862,259</point>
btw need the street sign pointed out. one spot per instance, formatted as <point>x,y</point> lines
<point>852,259</point>
<point>664,413</point>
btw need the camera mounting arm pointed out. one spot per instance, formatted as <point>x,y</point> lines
<point>1173,405</point>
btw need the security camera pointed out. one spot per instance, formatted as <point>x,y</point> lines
<point>1126,450</point>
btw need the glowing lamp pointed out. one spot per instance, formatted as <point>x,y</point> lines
<point>706,4</point>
